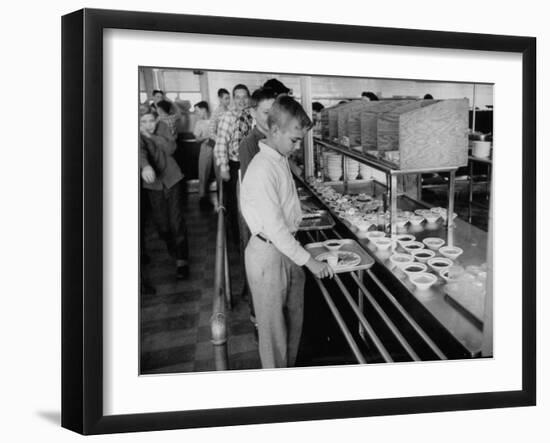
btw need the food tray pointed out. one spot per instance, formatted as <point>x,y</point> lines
<point>348,245</point>
<point>316,220</point>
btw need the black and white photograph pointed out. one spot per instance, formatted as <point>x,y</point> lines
<point>299,220</point>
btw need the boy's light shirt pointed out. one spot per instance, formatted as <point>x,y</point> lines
<point>270,203</point>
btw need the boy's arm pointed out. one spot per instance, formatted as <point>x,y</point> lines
<point>142,159</point>
<point>168,145</point>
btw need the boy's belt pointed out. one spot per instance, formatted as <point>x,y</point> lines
<point>262,238</point>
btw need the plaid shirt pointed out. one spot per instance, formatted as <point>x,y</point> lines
<point>215,120</point>
<point>232,128</point>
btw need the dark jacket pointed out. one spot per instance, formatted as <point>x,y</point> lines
<point>157,151</point>
<point>248,148</point>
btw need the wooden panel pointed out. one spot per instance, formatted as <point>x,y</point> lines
<point>435,135</point>
<point>333,121</point>
<point>354,121</point>
<point>369,121</point>
<point>344,111</point>
<point>388,124</point>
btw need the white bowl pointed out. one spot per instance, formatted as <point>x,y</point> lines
<point>439,263</point>
<point>431,217</point>
<point>404,238</point>
<point>373,235</point>
<point>434,243</point>
<point>422,212</point>
<point>411,246</point>
<point>401,221</point>
<point>333,244</point>
<point>416,219</point>
<point>452,252</point>
<point>413,269</point>
<point>399,260</point>
<point>383,243</point>
<point>452,273</point>
<point>423,255</point>
<point>423,280</point>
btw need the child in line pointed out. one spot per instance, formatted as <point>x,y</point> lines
<point>273,257</point>
<point>161,180</point>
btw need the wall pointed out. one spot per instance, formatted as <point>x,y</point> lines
<point>30,223</point>
<point>327,90</point>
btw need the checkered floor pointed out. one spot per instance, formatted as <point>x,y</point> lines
<point>175,322</point>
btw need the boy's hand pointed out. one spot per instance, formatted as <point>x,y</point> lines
<point>225,175</point>
<point>319,269</point>
<point>148,174</point>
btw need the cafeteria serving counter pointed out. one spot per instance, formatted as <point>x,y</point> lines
<point>451,325</point>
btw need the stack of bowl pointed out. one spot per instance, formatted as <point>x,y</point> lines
<point>352,168</point>
<point>333,166</point>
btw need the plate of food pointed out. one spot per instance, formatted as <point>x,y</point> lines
<point>344,259</point>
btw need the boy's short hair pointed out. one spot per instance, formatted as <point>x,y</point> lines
<point>165,105</point>
<point>428,97</point>
<point>261,94</point>
<point>370,95</point>
<point>158,91</point>
<point>240,86</point>
<point>317,107</point>
<point>202,105</point>
<point>286,108</point>
<point>222,92</point>
<point>277,86</point>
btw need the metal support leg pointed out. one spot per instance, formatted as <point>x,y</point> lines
<point>450,210</point>
<point>470,189</point>
<point>393,205</point>
<point>345,173</point>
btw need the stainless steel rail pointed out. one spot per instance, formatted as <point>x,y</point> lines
<point>364,325</point>
<point>218,324</point>
<point>383,315</point>
<point>404,313</point>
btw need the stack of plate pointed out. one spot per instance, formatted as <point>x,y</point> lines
<point>352,168</point>
<point>333,166</point>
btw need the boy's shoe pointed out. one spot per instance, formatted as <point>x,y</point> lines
<point>182,272</point>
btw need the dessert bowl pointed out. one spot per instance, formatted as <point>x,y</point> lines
<point>423,280</point>
<point>439,263</point>
<point>412,269</point>
<point>399,260</point>
<point>401,221</point>
<point>434,243</point>
<point>373,235</point>
<point>431,217</point>
<point>452,252</point>
<point>402,239</point>
<point>412,246</point>
<point>421,212</point>
<point>423,255</point>
<point>416,219</point>
<point>333,244</point>
<point>382,243</point>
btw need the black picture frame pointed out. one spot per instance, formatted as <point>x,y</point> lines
<point>82,218</point>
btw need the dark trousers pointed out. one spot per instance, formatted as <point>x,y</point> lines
<point>231,203</point>
<point>167,214</point>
